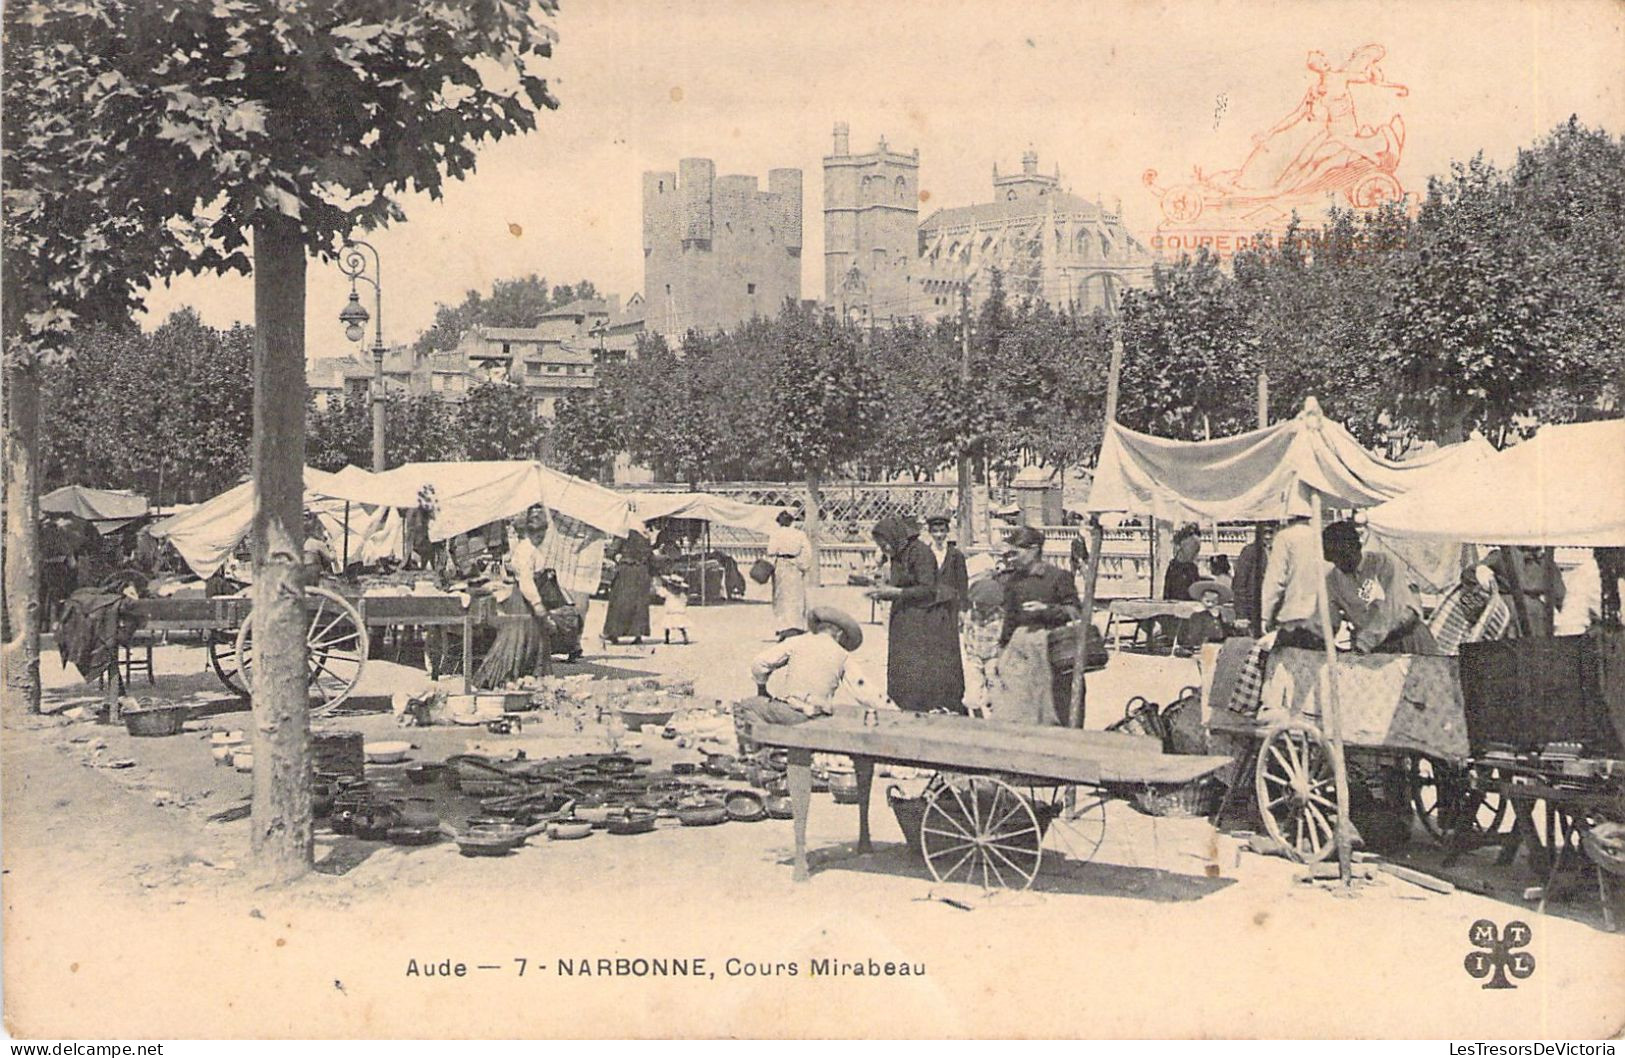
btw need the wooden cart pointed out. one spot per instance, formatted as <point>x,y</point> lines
<point>337,636</point>
<point>1000,790</point>
<point>1406,741</point>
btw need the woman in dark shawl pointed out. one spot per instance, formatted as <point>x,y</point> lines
<point>629,592</point>
<point>923,669</point>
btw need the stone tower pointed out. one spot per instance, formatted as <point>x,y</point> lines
<point>718,250</point>
<point>871,239</point>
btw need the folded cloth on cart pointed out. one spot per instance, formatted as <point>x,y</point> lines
<point>1238,675</point>
<point>1389,701</point>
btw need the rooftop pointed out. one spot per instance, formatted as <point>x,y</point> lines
<point>1064,202</point>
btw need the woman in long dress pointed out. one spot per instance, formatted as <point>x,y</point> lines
<point>628,613</point>
<point>522,647</point>
<point>923,669</point>
<point>792,556</point>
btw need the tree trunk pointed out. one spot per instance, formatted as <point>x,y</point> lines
<point>815,503</point>
<point>283,846</point>
<point>22,580</point>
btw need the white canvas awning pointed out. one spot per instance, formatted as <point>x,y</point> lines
<point>108,509</point>
<point>465,497</point>
<point>1263,475</point>
<point>706,506</point>
<point>469,495</point>
<point>1563,488</point>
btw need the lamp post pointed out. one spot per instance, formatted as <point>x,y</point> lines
<point>353,263</point>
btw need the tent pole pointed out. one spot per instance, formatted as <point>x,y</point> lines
<point>1080,659</point>
<point>1334,711</point>
<point>345,568</point>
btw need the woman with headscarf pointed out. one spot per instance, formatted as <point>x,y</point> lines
<point>792,556</point>
<point>628,613</point>
<point>923,669</point>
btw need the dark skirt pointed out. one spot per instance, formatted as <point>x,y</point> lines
<point>628,613</point>
<point>923,669</point>
<point>521,648</point>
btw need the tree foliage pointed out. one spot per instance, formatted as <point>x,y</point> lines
<point>417,429</point>
<point>143,137</point>
<point>511,303</point>
<point>498,420</point>
<point>169,413</point>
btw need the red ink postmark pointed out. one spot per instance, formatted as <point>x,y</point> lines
<point>1332,147</point>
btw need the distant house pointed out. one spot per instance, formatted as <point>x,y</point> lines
<point>559,356</point>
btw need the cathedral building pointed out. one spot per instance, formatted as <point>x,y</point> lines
<point>1048,243</point>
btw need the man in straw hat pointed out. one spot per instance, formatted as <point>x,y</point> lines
<point>1209,624</point>
<point>799,678</point>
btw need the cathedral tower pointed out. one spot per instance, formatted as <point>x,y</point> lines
<point>871,239</point>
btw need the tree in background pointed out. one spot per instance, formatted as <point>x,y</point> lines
<point>169,414</point>
<point>498,420</point>
<point>143,136</point>
<point>1316,299</point>
<point>1189,354</point>
<point>826,403</point>
<point>416,429</point>
<point>1512,292</point>
<point>512,303</point>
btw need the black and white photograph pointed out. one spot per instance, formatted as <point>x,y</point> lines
<point>813,519</point>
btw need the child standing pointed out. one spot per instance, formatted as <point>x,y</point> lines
<point>674,606</point>
<point>982,624</point>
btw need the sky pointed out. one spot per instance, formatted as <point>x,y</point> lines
<point>1105,90</point>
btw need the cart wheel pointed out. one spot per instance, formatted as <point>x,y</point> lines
<point>1079,824</point>
<point>223,656</point>
<point>1446,804</point>
<point>978,828</point>
<point>336,641</point>
<point>1297,791</point>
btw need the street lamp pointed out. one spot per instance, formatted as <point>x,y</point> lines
<point>353,263</point>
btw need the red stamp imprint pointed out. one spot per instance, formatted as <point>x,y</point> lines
<point>1333,147</point>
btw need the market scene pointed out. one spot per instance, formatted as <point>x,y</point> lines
<point>1230,579</point>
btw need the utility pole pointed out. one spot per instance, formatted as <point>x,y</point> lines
<point>965,485</point>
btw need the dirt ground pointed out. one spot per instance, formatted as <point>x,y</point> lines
<point>130,912</point>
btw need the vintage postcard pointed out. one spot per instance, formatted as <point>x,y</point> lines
<point>805,519</point>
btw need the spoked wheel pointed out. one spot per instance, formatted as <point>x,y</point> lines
<point>1079,824</point>
<point>223,657</point>
<point>979,829</point>
<point>1297,790</point>
<point>1446,804</point>
<point>336,644</point>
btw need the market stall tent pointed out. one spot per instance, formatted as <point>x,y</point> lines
<point>108,509</point>
<point>1563,488</point>
<point>206,534</point>
<point>1263,475</point>
<point>705,506</point>
<point>462,497</point>
<point>465,496</point>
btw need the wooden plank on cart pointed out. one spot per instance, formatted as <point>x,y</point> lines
<point>1040,752</point>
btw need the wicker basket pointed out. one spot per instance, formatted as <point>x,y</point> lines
<point>156,721</point>
<point>1191,800</point>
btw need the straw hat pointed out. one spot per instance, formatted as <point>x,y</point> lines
<point>1202,587</point>
<point>849,635</point>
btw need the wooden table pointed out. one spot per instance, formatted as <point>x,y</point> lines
<point>1051,755</point>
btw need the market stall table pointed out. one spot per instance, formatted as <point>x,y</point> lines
<point>1140,611</point>
<point>1051,755</point>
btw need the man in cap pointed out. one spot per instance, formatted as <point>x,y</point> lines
<point>799,677</point>
<point>951,570</point>
<point>1037,598</point>
<point>1368,589</point>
